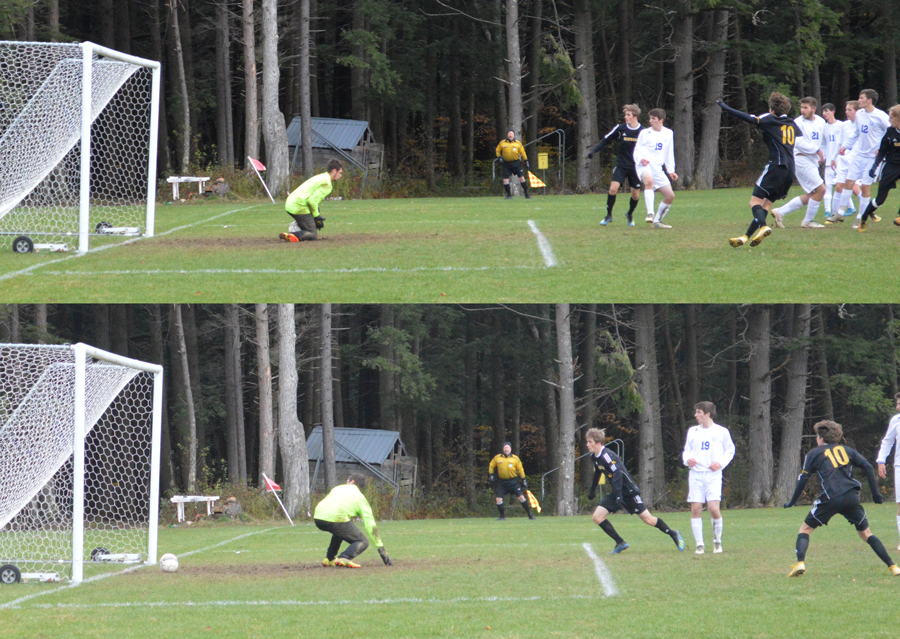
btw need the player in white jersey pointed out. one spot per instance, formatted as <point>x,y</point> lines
<point>834,137</point>
<point>892,440</point>
<point>808,155</point>
<point>845,155</point>
<point>707,450</point>
<point>871,124</point>
<point>653,151</point>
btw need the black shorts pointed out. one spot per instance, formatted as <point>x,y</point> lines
<point>629,175</point>
<point>890,173</point>
<point>633,505</point>
<point>509,487</point>
<point>513,168</point>
<point>774,183</point>
<point>847,505</point>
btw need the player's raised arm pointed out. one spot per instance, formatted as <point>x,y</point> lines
<point>752,119</point>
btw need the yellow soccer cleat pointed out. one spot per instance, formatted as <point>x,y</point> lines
<point>760,235</point>
<point>862,227</point>
<point>798,569</point>
<point>346,563</point>
<point>328,563</point>
<point>737,242</point>
<point>875,218</point>
<point>895,570</point>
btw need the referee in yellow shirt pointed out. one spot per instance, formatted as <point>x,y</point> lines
<point>510,480</point>
<point>512,156</point>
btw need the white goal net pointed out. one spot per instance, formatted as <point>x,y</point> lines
<point>79,458</point>
<point>77,143</point>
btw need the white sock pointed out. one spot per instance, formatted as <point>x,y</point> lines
<point>793,205</point>
<point>697,527</point>
<point>811,209</point>
<point>827,199</point>
<point>845,197</point>
<point>661,212</point>
<point>836,202</point>
<point>648,200</point>
<point>863,203</point>
<point>717,529</point>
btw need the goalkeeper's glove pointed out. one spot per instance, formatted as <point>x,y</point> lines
<point>789,504</point>
<point>590,155</point>
<point>384,557</point>
<point>524,483</point>
<point>878,498</point>
<point>872,173</point>
<point>320,221</point>
<point>491,478</point>
<point>592,493</point>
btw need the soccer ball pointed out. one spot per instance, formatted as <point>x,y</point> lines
<point>168,562</point>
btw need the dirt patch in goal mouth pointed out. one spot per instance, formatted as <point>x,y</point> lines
<point>268,243</point>
<point>300,568</point>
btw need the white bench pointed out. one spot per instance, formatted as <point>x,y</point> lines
<point>180,501</point>
<point>175,180</point>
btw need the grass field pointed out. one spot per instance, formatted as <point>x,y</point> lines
<point>471,250</point>
<point>483,578</point>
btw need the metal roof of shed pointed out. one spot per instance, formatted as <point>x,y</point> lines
<point>372,446</point>
<point>344,134</point>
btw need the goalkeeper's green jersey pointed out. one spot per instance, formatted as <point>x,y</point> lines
<point>345,502</point>
<point>309,194</point>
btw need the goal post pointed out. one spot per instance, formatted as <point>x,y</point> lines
<point>79,460</point>
<point>78,138</point>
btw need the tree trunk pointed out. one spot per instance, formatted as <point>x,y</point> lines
<point>683,39</point>
<point>712,115</point>
<point>251,113</point>
<point>264,373</point>
<point>190,446</point>
<point>691,348</point>
<point>40,323</point>
<point>565,492</point>
<point>123,27</point>
<point>387,378</point>
<point>305,91</point>
<point>294,456</point>
<point>588,393</point>
<point>469,411</point>
<point>795,402</point>
<point>157,356</point>
<point>53,20</point>
<point>821,366</point>
<point>587,121</point>
<point>358,79</point>
<point>514,60</point>
<point>182,86</point>
<point>118,321</point>
<point>760,440</point>
<point>500,112</point>
<point>155,28</point>
<point>428,116</point>
<point>107,23</point>
<point>327,400</point>
<point>224,134</point>
<point>737,77</point>
<point>498,389</point>
<point>274,128</point>
<point>232,406</point>
<point>650,456</point>
<point>889,50</point>
<point>101,326</point>
<point>626,66</point>
<point>534,70</point>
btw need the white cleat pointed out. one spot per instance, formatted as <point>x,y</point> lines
<point>812,225</point>
<point>778,216</point>
<point>717,547</point>
<point>649,219</point>
<point>660,225</point>
<point>700,550</point>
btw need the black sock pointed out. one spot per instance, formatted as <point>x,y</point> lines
<point>502,509</point>
<point>524,186</point>
<point>506,186</point>
<point>607,527</point>
<point>610,203</point>
<point>870,210</point>
<point>759,214</point>
<point>663,527</point>
<point>802,545</point>
<point>878,547</point>
<point>632,205</point>
<point>525,505</point>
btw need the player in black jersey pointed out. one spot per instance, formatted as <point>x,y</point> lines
<point>779,133</point>
<point>625,493</point>
<point>626,134</point>
<point>840,493</point>
<point>889,153</point>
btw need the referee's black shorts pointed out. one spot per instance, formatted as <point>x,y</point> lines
<point>513,168</point>
<point>847,505</point>
<point>774,183</point>
<point>508,487</point>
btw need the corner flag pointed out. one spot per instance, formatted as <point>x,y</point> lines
<point>259,166</point>
<point>535,182</point>
<point>271,485</point>
<point>532,501</point>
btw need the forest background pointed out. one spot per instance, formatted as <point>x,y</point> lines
<point>245,385</point>
<point>439,81</point>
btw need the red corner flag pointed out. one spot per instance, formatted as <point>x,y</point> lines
<point>259,166</point>
<point>271,485</point>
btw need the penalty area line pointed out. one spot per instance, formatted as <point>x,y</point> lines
<point>300,603</point>
<point>300,271</point>
<point>606,580</point>
<point>543,244</point>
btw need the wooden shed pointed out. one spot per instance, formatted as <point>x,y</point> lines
<point>378,454</point>
<point>350,141</point>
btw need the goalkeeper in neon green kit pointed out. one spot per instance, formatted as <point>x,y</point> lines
<point>333,515</point>
<point>303,204</point>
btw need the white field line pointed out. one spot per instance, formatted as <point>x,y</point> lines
<point>26,271</point>
<point>309,271</point>
<point>16,602</point>
<point>606,580</point>
<point>543,244</point>
<point>300,603</point>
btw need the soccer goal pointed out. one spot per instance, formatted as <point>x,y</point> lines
<point>78,135</point>
<point>79,461</point>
